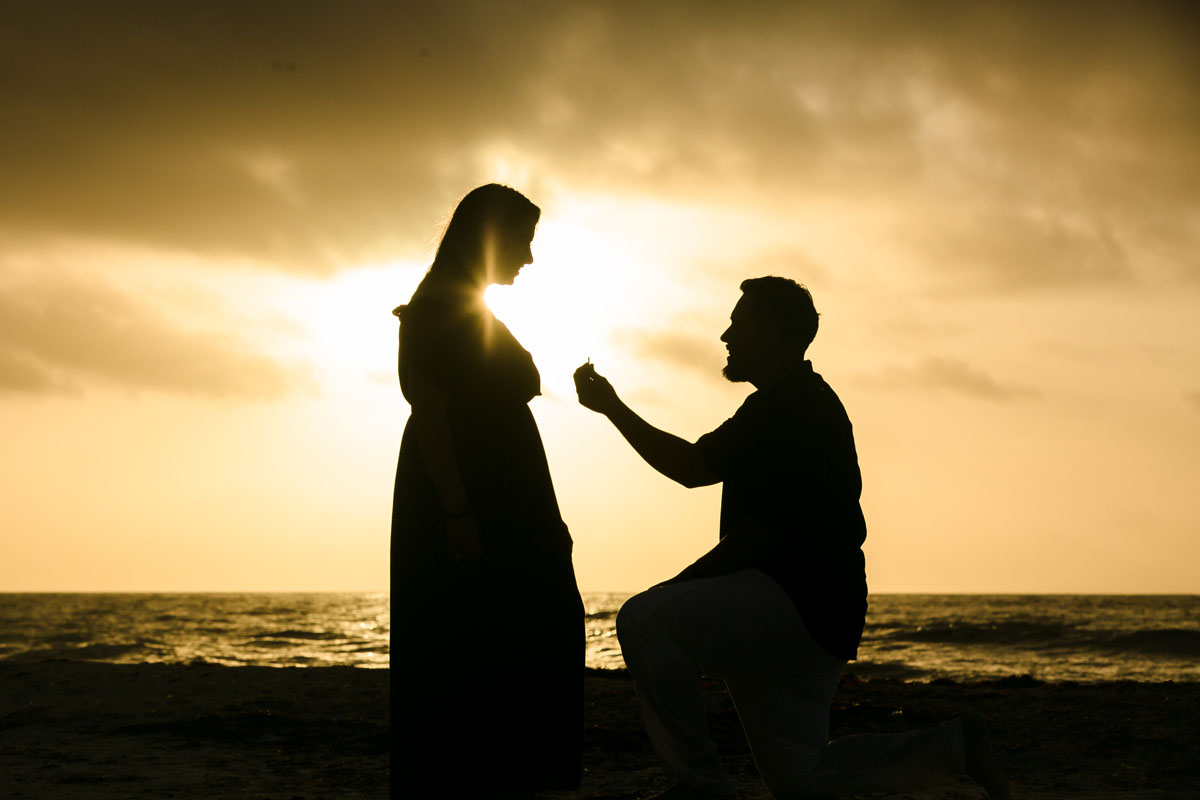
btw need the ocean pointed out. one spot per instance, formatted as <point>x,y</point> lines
<point>1083,638</point>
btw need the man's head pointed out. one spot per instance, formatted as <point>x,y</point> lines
<point>769,330</point>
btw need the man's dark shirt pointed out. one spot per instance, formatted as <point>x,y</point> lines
<point>787,460</point>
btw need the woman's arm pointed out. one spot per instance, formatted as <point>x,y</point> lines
<point>429,403</point>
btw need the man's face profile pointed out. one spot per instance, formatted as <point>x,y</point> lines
<point>749,340</point>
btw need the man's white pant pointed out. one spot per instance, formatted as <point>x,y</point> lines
<point>744,629</point>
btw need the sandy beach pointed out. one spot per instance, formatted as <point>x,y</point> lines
<point>97,730</point>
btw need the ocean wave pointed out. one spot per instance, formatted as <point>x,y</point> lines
<point>886,669</point>
<point>1183,643</point>
<point>315,636</point>
<point>91,652</point>
<point>288,630</point>
<point>1174,642</point>
<point>1009,634</point>
<point>960,637</point>
<point>68,638</point>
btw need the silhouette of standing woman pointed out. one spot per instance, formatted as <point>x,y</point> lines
<point>487,622</point>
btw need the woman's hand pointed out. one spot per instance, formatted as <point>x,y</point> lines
<point>594,390</point>
<point>464,546</point>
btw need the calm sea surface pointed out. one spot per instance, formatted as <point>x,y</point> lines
<point>915,637</point>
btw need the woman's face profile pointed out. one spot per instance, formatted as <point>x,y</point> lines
<point>514,251</point>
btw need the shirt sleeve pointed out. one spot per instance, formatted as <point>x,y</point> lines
<point>721,448</point>
<point>773,461</point>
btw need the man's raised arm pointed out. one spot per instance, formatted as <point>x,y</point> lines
<point>674,457</point>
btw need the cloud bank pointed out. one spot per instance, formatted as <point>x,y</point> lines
<point>985,147</point>
<point>57,337</point>
<point>952,375</point>
<point>311,135</point>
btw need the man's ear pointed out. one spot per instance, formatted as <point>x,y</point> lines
<point>779,338</point>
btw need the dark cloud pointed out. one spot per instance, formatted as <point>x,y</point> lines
<point>21,375</point>
<point>315,134</point>
<point>57,337</point>
<point>1014,251</point>
<point>952,375</point>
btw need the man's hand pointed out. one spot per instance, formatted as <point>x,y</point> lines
<point>594,390</point>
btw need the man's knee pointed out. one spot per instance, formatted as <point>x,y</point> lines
<point>639,619</point>
<point>631,617</point>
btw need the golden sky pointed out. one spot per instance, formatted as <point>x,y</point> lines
<point>208,210</point>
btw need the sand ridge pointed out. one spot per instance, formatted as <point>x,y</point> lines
<point>85,730</point>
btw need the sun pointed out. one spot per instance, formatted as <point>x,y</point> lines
<point>564,306</point>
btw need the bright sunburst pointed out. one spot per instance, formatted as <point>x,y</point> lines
<point>563,307</point>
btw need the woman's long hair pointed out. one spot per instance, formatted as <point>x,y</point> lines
<point>481,220</point>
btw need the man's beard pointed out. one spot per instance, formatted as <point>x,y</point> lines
<point>733,372</point>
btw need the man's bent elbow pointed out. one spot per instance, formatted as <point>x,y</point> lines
<point>696,474</point>
<point>696,481</point>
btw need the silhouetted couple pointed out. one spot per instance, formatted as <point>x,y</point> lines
<point>488,635</point>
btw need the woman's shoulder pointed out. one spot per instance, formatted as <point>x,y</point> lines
<point>442,325</point>
<point>442,295</point>
<point>438,306</point>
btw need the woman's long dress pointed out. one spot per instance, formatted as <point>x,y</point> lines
<point>487,670</point>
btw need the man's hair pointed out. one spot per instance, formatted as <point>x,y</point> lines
<point>788,304</point>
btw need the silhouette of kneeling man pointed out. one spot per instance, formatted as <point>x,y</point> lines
<point>777,607</point>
